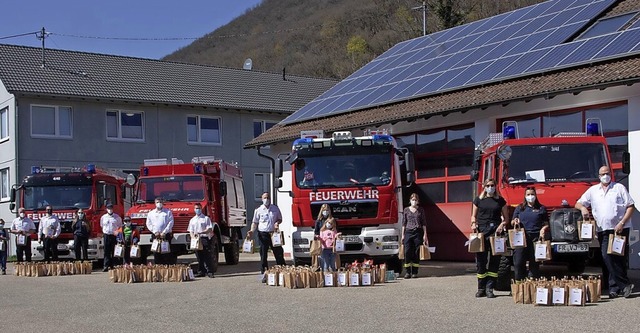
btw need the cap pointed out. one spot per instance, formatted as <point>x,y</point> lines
<point>127,218</point>
<point>109,205</point>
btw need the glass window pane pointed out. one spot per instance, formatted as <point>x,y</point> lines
<point>614,119</point>
<point>617,146</point>
<point>257,128</point>
<point>268,125</point>
<point>43,120</point>
<point>131,124</point>
<point>406,141</point>
<point>461,139</point>
<point>4,183</point>
<point>459,164</point>
<point>529,128</point>
<point>209,130</point>
<point>433,193</point>
<point>4,123</point>
<point>554,124</point>
<point>460,191</point>
<point>112,124</point>
<point>64,114</point>
<point>430,166</point>
<point>431,143</point>
<point>192,129</point>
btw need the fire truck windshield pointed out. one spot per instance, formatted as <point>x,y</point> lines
<point>59,197</point>
<point>171,188</point>
<point>556,163</point>
<point>343,168</point>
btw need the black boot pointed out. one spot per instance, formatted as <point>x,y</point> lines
<point>414,271</point>
<point>490,294</point>
<point>407,270</point>
<point>481,293</point>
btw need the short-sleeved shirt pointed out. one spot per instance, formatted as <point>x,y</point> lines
<point>49,226</point>
<point>160,221</point>
<point>489,210</point>
<point>110,223</point>
<point>25,224</point>
<point>414,220</point>
<point>266,217</point>
<point>532,219</point>
<point>199,224</point>
<point>608,204</point>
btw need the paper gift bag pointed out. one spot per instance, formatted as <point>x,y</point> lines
<point>559,295</point>
<point>593,290</point>
<point>22,240</point>
<point>277,238</point>
<point>134,252</point>
<point>196,244</point>
<point>315,249</point>
<point>118,251</point>
<point>424,252</point>
<point>401,252</point>
<point>498,245</point>
<point>616,245</point>
<point>315,261</point>
<point>543,250</point>
<point>587,230</point>
<point>476,242</point>
<point>354,279</point>
<point>576,296</point>
<point>3,245</point>
<point>281,279</point>
<point>338,261</point>
<point>382,273</point>
<point>165,247</point>
<point>517,291</point>
<point>339,245</point>
<point>155,246</point>
<point>272,279</point>
<point>542,295</point>
<point>367,280</point>
<point>342,278</point>
<point>329,279</point>
<point>247,246</point>
<point>517,238</point>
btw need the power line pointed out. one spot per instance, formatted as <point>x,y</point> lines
<point>20,35</point>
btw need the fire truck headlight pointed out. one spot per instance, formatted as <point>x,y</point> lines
<point>390,238</point>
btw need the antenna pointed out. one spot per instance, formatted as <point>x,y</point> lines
<point>248,64</point>
<point>423,8</point>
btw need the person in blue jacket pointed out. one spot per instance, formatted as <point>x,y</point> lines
<point>532,216</point>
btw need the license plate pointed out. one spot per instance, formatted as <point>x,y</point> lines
<point>569,248</point>
<point>62,247</point>
<point>351,239</point>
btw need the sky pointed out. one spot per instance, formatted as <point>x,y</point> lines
<point>66,20</point>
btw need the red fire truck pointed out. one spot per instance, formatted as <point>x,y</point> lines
<point>66,190</point>
<point>360,178</point>
<point>561,168</point>
<point>213,183</point>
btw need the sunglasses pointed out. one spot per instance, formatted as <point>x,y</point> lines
<point>489,186</point>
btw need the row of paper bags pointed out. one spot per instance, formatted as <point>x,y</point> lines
<point>36,269</point>
<point>500,245</point>
<point>295,277</point>
<point>565,291</point>
<point>150,273</point>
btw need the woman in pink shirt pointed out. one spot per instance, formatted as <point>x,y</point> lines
<point>328,236</point>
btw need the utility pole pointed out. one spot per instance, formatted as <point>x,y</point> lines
<point>42,35</point>
<point>423,8</point>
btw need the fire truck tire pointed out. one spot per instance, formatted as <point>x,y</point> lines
<point>232,252</point>
<point>215,253</point>
<point>503,282</point>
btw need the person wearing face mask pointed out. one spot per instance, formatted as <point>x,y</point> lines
<point>323,215</point>
<point>267,219</point>
<point>160,224</point>
<point>23,227</point>
<point>110,222</point>
<point>128,235</point>
<point>612,207</point>
<point>48,231</point>
<point>489,215</point>
<point>414,234</point>
<point>81,231</point>
<point>328,235</point>
<point>4,237</point>
<point>200,226</point>
<point>532,216</point>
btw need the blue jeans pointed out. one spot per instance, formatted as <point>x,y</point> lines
<point>3,260</point>
<point>328,259</point>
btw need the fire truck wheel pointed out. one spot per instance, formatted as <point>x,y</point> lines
<point>215,253</point>
<point>232,251</point>
<point>503,282</point>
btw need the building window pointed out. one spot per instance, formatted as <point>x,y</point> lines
<point>51,121</point>
<point>4,184</point>
<point>4,124</point>
<point>125,125</point>
<point>261,126</point>
<point>261,182</point>
<point>203,130</point>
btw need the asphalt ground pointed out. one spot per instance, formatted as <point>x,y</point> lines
<point>440,300</point>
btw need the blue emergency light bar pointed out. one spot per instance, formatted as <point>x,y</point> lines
<point>91,168</point>
<point>509,132</point>
<point>593,129</point>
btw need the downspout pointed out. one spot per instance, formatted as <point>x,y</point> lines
<point>274,198</point>
<point>16,150</point>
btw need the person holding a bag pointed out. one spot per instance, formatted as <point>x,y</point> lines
<point>128,236</point>
<point>532,216</point>
<point>4,236</point>
<point>323,215</point>
<point>267,219</point>
<point>328,235</point>
<point>110,223</point>
<point>612,207</point>
<point>81,231</point>
<point>489,215</point>
<point>200,227</point>
<point>414,234</point>
<point>22,226</point>
<point>49,230</point>
<point>160,224</point>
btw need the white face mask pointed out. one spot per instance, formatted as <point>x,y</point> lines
<point>265,202</point>
<point>109,211</point>
<point>329,225</point>
<point>490,190</point>
<point>530,198</point>
<point>159,205</point>
<point>605,179</point>
<point>127,224</point>
<point>325,213</point>
<point>414,203</point>
<point>21,215</point>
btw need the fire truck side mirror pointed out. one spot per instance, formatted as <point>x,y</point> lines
<point>12,197</point>
<point>475,175</point>
<point>278,168</point>
<point>278,183</point>
<point>410,165</point>
<point>223,188</point>
<point>626,162</point>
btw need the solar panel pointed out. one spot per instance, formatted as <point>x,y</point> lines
<point>521,42</point>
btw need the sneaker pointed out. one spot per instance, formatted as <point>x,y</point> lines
<point>628,290</point>
<point>210,275</point>
<point>481,293</point>
<point>490,293</point>
<point>407,276</point>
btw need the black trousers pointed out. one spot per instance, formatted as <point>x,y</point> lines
<point>80,245</point>
<point>164,258</point>
<point>50,249</point>
<point>110,242</point>
<point>23,252</point>
<point>412,241</point>
<point>523,255</point>
<point>487,275</point>
<point>614,266</point>
<point>265,243</point>
<point>205,257</point>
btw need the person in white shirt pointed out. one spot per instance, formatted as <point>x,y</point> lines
<point>48,231</point>
<point>110,222</point>
<point>22,226</point>
<point>200,227</point>
<point>612,207</point>
<point>160,224</point>
<point>267,219</point>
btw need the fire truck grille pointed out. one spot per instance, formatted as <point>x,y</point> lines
<point>180,224</point>
<point>349,210</point>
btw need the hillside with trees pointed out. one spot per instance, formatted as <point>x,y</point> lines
<point>329,38</point>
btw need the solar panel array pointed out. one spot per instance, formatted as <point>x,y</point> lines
<point>505,46</point>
